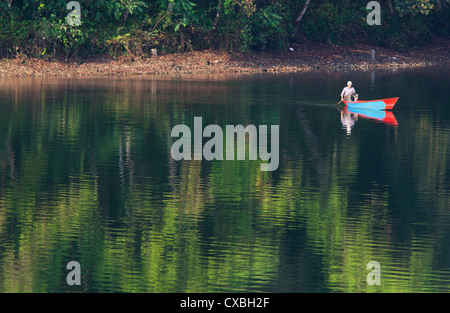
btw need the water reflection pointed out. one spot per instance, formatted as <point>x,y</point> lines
<point>86,175</point>
<point>348,120</point>
<point>349,117</point>
<point>379,116</point>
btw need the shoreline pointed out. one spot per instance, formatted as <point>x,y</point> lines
<point>303,58</point>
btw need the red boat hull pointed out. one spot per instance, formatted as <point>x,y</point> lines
<point>382,104</point>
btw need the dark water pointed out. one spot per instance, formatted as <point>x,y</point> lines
<point>86,175</point>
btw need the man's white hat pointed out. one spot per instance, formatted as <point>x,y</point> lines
<point>349,83</point>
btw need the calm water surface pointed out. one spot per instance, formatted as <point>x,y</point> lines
<point>86,175</point>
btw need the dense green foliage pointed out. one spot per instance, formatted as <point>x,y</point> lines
<point>36,28</point>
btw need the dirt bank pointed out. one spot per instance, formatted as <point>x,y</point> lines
<point>305,57</point>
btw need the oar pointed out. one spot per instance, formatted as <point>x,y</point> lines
<point>338,102</point>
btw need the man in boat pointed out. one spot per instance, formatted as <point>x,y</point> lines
<point>349,92</point>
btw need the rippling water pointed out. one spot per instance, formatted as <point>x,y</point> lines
<point>86,175</point>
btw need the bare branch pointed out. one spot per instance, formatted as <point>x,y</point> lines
<point>391,9</point>
<point>218,14</point>
<point>300,16</point>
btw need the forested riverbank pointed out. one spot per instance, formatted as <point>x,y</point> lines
<point>37,29</point>
<point>303,58</point>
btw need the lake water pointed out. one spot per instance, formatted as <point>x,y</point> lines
<point>86,175</point>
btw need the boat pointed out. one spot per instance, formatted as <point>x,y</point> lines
<point>383,104</point>
<point>380,116</point>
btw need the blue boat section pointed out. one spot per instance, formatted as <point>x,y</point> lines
<point>375,105</point>
<point>378,114</point>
